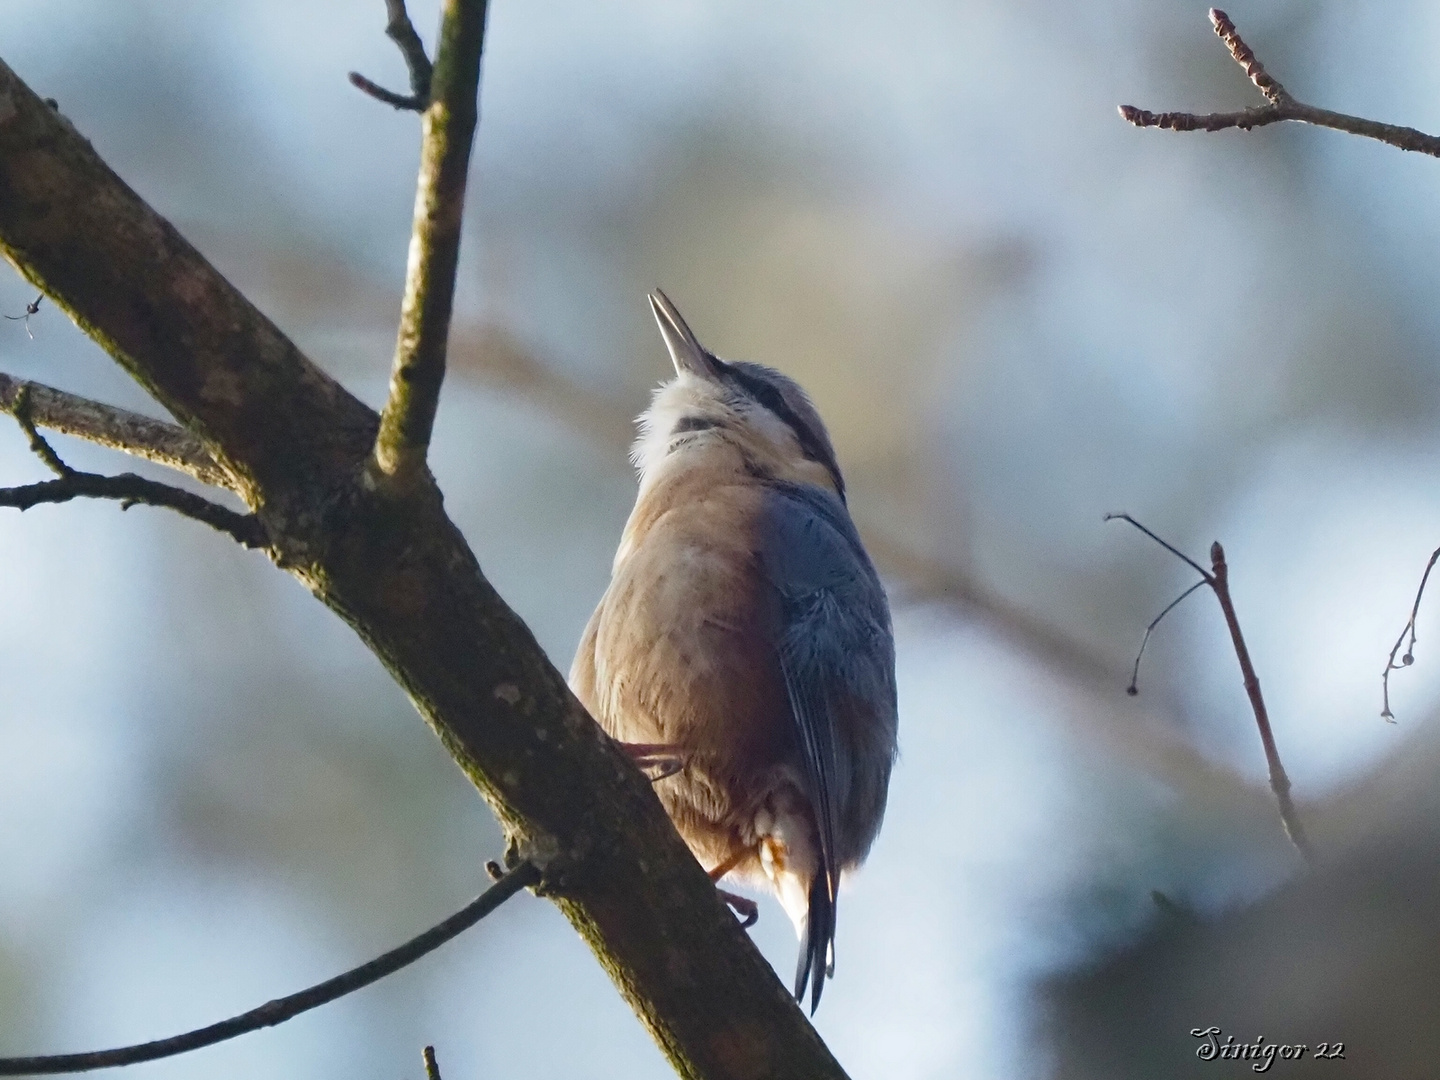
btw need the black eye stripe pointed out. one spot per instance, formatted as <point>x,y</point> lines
<point>693,423</point>
<point>769,397</point>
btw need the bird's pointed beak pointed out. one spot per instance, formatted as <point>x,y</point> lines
<point>686,353</point>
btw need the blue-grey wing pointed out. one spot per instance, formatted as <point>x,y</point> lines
<point>837,656</point>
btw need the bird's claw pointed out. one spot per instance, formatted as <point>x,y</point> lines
<point>743,906</point>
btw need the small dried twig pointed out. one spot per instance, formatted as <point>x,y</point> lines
<point>131,490</point>
<point>1409,631</point>
<point>286,1008</point>
<point>419,365</point>
<point>32,308</point>
<point>20,409</point>
<point>1134,687</point>
<point>1218,578</point>
<point>432,1067</point>
<point>127,488</point>
<point>401,30</point>
<point>1282,106</point>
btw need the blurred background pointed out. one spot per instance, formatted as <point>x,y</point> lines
<point>1015,312</point>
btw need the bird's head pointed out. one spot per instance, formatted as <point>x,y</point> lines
<point>730,413</point>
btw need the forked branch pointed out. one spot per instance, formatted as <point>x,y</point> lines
<point>1218,578</point>
<point>1280,106</point>
<point>128,489</point>
<point>1400,642</point>
<point>119,429</point>
<point>419,365</point>
<point>401,30</point>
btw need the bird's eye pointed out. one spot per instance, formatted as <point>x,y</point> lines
<point>693,423</point>
<point>769,397</point>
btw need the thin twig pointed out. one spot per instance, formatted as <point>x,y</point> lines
<point>131,490</point>
<point>32,308</point>
<point>1134,687</point>
<point>419,365</point>
<point>1218,578</point>
<point>1243,55</point>
<point>126,488</point>
<point>285,1008</point>
<point>1205,574</point>
<point>1409,657</point>
<point>401,30</point>
<point>1279,780</point>
<point>432,1067</point>
<point>1282,106</point>
<point>119,429</point>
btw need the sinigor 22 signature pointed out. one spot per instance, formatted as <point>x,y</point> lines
<point>1260,1052</point>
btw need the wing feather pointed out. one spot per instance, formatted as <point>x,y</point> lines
<point>836,654</point>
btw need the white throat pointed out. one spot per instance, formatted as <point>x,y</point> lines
<point>681,397</point>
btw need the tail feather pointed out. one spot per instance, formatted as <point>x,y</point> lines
<point>816,962</point>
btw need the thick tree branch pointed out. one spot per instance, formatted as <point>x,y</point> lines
<point>449,131</point>
<point>296,444</point>
<point>279,1010</point>
<point>1282,106</point>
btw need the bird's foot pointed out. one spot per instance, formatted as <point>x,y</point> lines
<point>743,906</point>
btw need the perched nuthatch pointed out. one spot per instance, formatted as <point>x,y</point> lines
<point>745,632</point>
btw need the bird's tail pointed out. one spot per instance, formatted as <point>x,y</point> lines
<point>817,942</point>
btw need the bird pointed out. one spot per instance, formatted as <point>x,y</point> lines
<point>745,639</point>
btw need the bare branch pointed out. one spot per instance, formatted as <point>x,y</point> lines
<point>119,429</point>
<point>419,365</point>
<point>1205,574</point>
<point>292,1005</point>
<point>402,31</point>
<point>127,488</point>
<point>1218,578</point>
<point>1245,57</point>
<point>432,1067</point>
<point>38,446</point>
<point>1409,630</point>
<point>131,490</point>
<point>1134,687</point>
<point>1282,106</point>
<point>1279,781</point>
